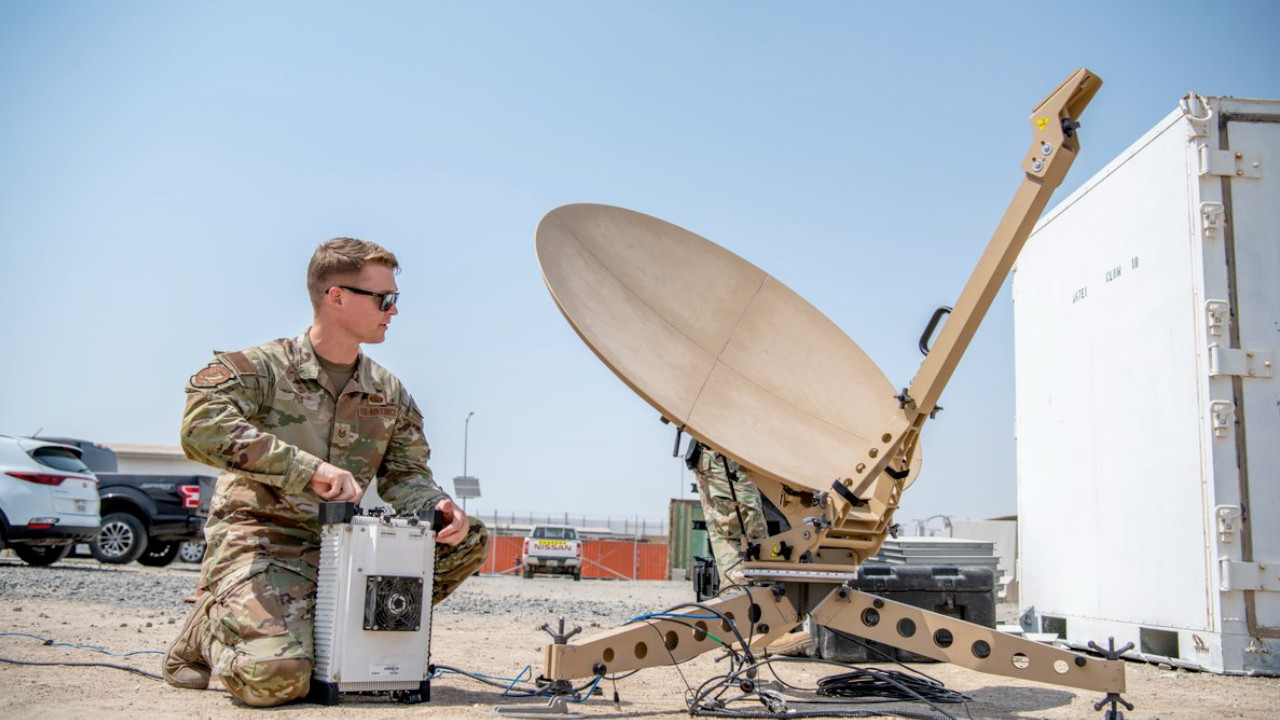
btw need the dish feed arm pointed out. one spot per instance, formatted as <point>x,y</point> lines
<point>843,524</point>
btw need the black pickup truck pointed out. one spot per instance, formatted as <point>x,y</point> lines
<point>144,517</point>
<point>147,517</point>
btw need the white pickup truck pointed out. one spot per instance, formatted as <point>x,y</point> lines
<point>552,549</point>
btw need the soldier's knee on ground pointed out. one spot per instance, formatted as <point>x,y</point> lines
<point>265,683</point>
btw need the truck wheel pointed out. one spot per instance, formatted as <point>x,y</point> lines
<point>527,572</point>
<point>577,575</point>
<point>121,539</point>
<point>158,553</point>
<point>40,555</point>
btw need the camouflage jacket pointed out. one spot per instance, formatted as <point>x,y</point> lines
<point>267,416</point>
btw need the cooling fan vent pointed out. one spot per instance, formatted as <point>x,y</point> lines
<point>393,603</point>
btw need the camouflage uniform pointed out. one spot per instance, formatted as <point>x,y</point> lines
<point>713,473</point>
<point>267,416</point>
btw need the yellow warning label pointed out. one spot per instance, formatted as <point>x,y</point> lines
<point>1041,122</point>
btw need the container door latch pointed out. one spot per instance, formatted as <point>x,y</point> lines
<point>1227,516</point>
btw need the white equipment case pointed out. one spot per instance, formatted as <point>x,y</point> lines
<point>1147,320</point>
<point>373,605</point>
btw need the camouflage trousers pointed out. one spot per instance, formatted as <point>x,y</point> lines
<point>724,526</point>
<point>455,564</point>
<point>257,627</point>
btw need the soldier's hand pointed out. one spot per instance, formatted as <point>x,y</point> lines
<point>334,484</point>
<point>456,529</point>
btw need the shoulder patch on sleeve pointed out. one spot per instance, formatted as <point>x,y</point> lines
<point>239,361</point>
<point>213,375</point>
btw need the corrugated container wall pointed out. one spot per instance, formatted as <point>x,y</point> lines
<point>1146,316</point>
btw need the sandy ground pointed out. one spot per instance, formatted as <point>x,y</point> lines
<point>500,643</point>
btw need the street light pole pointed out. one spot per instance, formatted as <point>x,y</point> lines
<point>466,431</point>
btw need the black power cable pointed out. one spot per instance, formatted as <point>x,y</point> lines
<point>887,686</point>
<point>84,664</point>
<point>832,697</point>
<point>713,698</point>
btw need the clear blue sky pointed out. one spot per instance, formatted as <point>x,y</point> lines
<point>166,170</point>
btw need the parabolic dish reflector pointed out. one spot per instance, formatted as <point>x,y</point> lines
<point>716,344</point>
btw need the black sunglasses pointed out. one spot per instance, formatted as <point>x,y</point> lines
<point>387,300</point>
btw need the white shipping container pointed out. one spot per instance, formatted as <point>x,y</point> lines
<point>1147,319</point>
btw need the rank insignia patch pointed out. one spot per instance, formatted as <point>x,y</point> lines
<point>213,375</point>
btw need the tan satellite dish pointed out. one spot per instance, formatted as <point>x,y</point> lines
<point>747,366</point>
<point>717,345</point>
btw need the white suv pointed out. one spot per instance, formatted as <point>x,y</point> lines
<point>48,499</point>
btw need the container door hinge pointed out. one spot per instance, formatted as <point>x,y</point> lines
<point>1230,163</point>
<point>1223,413</point>
<point>1212,218</point>
<point>1257,576</point>
<point>1245,363</point>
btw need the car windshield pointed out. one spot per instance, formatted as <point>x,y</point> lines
<point>59,459</point>
<point>555,533</point>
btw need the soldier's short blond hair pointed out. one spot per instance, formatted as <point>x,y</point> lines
<point>339,259</point>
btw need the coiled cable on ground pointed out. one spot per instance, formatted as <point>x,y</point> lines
<point>831,698</point>
<point>886,686</point>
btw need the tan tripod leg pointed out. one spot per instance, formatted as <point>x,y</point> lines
<point>948,639</point>
<point>760,616</point>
